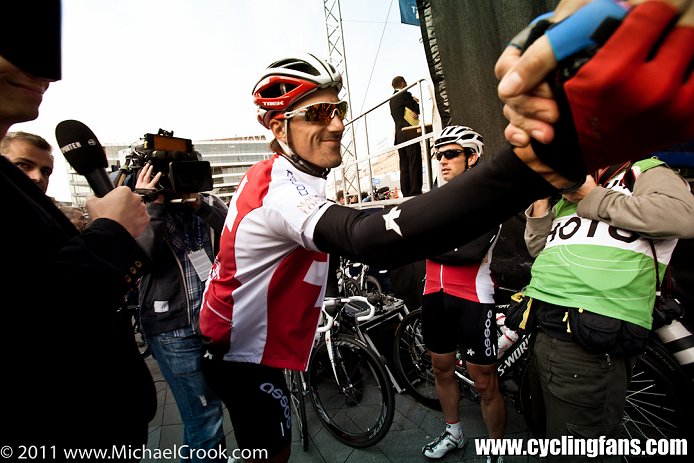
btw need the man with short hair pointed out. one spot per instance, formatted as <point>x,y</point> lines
<point>458,309</point>
<point>184,240</point>
<point>76,216</point>
<point>31,153</point>
<point>410,156</point>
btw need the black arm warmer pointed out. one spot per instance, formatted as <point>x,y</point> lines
<point>468,253</point>
<point>437,221</point>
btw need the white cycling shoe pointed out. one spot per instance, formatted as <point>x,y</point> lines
<point>443,444</point>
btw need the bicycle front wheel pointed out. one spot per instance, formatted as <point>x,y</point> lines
<point>413,362</point>
<point>295,383</point>
<point>352,394</point>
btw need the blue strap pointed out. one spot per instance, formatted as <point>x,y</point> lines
<point>575,33</point>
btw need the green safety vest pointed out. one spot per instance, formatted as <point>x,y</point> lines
<point>592,265</point>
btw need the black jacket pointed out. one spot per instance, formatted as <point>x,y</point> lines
<point>166,281</point>
<point>72,373</point>
<point>398,103</point>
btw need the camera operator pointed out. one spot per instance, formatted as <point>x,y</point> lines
<point>182,242</point>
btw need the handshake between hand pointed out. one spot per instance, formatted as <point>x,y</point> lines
<point>633,97</point>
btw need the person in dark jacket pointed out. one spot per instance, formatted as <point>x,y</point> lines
<point>182,245</point>
<point>410,156</point>
<point>72,375</point>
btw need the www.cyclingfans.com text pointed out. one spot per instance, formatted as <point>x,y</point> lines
<point>128,452</point>
<point>568,445</point>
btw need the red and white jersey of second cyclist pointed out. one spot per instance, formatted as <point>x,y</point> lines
<point>267,284</point>
<point>472,282</point>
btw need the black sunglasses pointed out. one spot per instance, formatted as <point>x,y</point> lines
<point>452,154</point>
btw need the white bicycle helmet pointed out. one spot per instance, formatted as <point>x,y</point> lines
<point>287,80</point>
<point>461,135</point>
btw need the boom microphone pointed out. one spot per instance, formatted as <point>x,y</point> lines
<point>85,154</point>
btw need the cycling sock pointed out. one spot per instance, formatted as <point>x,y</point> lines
<point>455,429</point>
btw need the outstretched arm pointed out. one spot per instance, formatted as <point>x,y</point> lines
<point>438,221</point>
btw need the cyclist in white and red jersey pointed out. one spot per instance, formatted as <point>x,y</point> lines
<point>262,301</point>
<point>458,310</point>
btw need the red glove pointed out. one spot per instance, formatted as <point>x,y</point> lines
<point>630,99</point>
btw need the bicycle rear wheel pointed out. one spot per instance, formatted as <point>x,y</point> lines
<point>295,383</point>
<point>352,396</point>
<point>413,362</point>
<point>658,400</point>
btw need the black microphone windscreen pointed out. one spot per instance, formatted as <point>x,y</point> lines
<point>80,147</point>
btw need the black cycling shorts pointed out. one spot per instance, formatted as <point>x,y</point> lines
<point>257,399</point>
<point>449,322</point>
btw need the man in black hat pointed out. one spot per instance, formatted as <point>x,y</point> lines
<point>72,375</point>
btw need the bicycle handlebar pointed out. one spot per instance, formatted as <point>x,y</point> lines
<point>338,302</point>
<point>372,308</point>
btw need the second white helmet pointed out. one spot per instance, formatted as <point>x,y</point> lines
<point>461,135</point>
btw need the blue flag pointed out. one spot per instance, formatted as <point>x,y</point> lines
<point>408,12</point>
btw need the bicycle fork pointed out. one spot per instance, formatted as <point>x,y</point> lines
<point>345,385</point>
<point>331,354</point>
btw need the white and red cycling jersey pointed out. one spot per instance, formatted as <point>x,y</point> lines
<point>471,281</point>
<point>266,287</point>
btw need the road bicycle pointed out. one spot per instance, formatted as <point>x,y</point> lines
<point>658,400</point>
<point>364,278</point>
<point>346,285</point>
<point>347,380</point>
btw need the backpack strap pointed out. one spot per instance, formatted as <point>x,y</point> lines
<point>608,173</point>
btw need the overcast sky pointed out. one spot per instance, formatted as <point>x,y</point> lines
<point>134,66</point>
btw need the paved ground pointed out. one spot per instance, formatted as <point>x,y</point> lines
<point>413,426</point>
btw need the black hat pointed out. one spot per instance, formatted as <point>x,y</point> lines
<point>30,37</point>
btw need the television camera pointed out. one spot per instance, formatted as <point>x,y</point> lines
<point>183,170</point>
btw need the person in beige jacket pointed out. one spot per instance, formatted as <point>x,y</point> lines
<point>596,250</point>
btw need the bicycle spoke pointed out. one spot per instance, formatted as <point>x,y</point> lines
<point>353,399</point>
<point>653,406</point>
<point>413,362</point>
